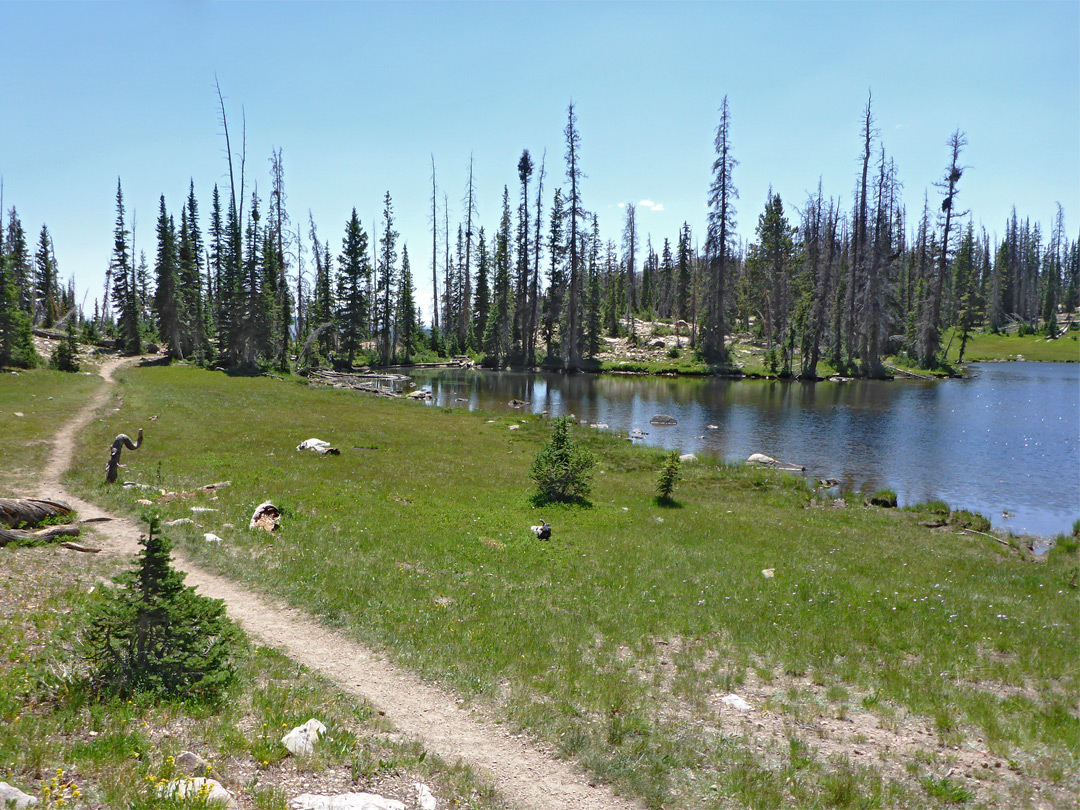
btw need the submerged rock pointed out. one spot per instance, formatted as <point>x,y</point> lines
<point>769,461</point>
<point>663,419</point>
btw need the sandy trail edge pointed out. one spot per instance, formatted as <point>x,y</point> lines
<point>530,779</point>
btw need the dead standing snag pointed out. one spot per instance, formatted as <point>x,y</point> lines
<point>119,443</point>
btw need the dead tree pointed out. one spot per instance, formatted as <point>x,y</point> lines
<point>119,443</point>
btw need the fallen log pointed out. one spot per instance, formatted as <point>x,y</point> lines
<point>21,535</point>
<point>30,511</point>
<point>78,547</point>
<point>119,443</point>
<point>172,496</point>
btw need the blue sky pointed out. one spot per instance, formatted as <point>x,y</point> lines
<point>360,95</point>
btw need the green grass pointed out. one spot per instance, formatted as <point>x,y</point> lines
<point>45,398</point>
<point>984,346</point>
<point>72,748</point>
<point>421,547</point>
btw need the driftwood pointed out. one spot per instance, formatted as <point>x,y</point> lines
<point>30,511</point>
<point>78,547</point>
<point>173,496</point>
<point>368,383</point>
<point>17,535</point>
<point>119,443</point>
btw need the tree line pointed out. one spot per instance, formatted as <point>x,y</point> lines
<point>818,284</point>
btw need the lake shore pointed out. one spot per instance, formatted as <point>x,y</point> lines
<point>616,641</point>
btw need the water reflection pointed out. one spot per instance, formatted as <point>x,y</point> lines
<point>1006,439</point>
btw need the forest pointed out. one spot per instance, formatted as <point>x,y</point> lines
<point>824,284</point>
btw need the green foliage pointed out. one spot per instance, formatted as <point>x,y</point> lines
<point>966,519</point>
<point>562,469</point>
<point>65,356</point>
<point>154,634</point>
<point>669,476</point>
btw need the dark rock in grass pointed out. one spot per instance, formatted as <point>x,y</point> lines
<point>884,498</point>
<point>663,419</point>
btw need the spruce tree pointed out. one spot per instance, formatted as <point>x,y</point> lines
<point>721,230</point>
<point>123,284</point>
<point>497,335</point>
<point>481,294</point>
<point>46,288</point>
<point>354,270</point>
<point>408,328</point>
<point>155,635</point>
<point>166,299</point>
<point>387,273</point>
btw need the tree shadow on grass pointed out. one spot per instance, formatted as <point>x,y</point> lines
<point>667,502</point>
<point>537,500</point>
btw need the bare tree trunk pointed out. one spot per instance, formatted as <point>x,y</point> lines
<point>119,443</point>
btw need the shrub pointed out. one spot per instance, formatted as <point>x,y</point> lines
<point>154,634</point>
<point>669,476</point>
<point>65,355</point>
<point>562,469</point>
<point>965,519</point>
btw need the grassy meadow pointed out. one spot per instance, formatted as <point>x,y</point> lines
<point>45,399</point>
<point>889,664</point>
<point>986,346</point>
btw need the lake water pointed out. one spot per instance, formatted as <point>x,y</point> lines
<point>1004,442</point>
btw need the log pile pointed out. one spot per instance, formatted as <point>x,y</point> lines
<point>18,513</point>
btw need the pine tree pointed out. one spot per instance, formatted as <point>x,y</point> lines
<point>556,277</point>
<point>497,334</point>
<point>387,279</point>
<point>123,281</point>
<point>721,224</point>
<point>152,633</point>
<point>408,327</point>
<point>683,281</point>
<point>522,320</point>
<point>575,211</point>
<point>16,335</point>
<point>45,281</point>
<point>929,339</point>
<point>482,294</point>
<point>354,271</point>
<point>166,298</point>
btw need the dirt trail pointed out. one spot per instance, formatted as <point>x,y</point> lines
<point>529,778</point>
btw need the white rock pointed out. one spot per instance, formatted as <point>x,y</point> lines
<point>768,573</point>
<point>210,537</point>
<point>344,801</point>
<point>424,799</point>
<point>301,740</point>
<point>687,457</point>
<point>515,427</point>
<point>19,413</point>
<point>190,789</point>
<point>11,796</point>
<point>181,522</point>
<point>736,702</point>
<point>312,444</point>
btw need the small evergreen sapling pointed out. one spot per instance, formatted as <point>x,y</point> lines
<point>669,477</point>
<point>562,469</point>
<point>66,354</point>
<point>154,634</point>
